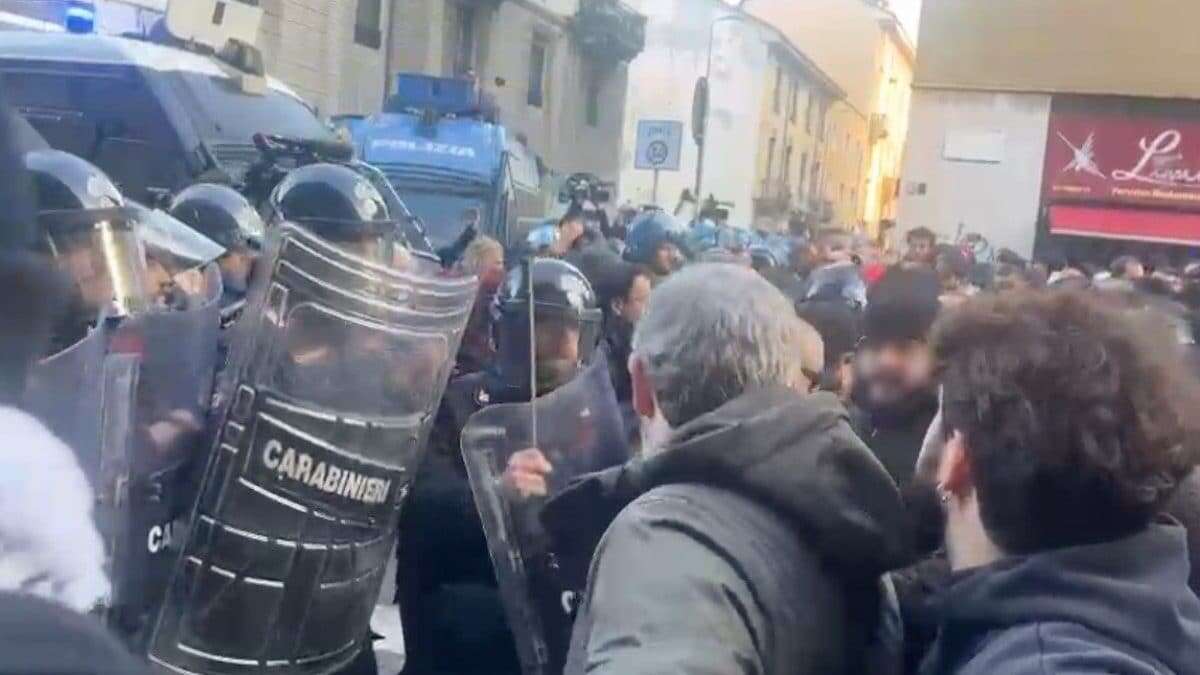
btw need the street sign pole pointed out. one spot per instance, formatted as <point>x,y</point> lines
<point>654,189</point>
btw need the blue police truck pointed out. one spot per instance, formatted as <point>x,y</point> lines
<point>439,145</point>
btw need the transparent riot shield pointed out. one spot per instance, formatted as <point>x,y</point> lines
<point>176,353</point>
<point>579,430</point>
<point>85,395</point>
<point>336,370</point>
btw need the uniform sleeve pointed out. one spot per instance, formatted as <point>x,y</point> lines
<point>663,598</point>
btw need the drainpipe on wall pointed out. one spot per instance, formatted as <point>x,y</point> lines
<point>387,49</point>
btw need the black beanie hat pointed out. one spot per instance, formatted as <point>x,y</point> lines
<point>902,305</point>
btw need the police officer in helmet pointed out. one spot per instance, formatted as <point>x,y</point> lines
<point>223,215</point>
<point>655,240</point>
<point>340,206</point>
<point>83,223</point>
<point>453,620</point>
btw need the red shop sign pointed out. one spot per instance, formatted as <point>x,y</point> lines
<point>1130,160</point>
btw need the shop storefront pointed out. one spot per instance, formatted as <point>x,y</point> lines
<point>1121,173</point>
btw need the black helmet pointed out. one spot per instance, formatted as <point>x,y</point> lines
<point>84,222</point>
<point>332,201</point>
<point>562,298</point>
<point>220,213</point>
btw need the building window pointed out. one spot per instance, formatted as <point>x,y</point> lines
<point>592,105</point>
<point>778,88</point>
<point>795,100</point>
<point>464,39</point>
<point>808,112</point>
<point>803,172</point>
<point>537,73</point>
<point>366,24</point>
<point>785,176</point>
<point>770,164</point>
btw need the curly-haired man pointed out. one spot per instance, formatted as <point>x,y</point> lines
<point>1065,427</point>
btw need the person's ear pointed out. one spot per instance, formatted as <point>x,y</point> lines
<point>617,305</point>
<point>954,470</point>
<point>643,392</point>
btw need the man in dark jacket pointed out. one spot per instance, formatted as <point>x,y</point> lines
<point>894,390</point>
<point>751,535</point>
<point>1065,429</point>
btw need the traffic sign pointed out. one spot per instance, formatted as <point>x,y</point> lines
<point>658,145</point>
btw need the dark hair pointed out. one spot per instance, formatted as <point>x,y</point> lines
<point>920,233</point>
<point>1078,421</point>
<point>33,295</point>
<point>902,305</point>
<point>615,282</point>
<point>839,324</point>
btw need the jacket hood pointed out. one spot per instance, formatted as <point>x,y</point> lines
<point>795,454</point>
<point>1133,591</point>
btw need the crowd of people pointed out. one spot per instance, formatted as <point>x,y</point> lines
<point>849,461</point>
<point>932,462</point>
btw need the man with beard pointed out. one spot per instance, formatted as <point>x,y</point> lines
<point>894,391</point>
<point>453,620</point>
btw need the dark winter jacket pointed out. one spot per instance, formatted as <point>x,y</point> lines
<point>753,544</point>
<point>1117,607</point>
<point>450,609</point>
<point>895,437</point>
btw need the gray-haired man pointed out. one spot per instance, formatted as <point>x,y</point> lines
<point>750,536</point>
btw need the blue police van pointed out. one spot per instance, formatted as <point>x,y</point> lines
<point>437,142</point>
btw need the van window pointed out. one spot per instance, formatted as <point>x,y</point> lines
<point>74,109</point>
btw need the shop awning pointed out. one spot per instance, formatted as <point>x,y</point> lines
<point>1167,227</point>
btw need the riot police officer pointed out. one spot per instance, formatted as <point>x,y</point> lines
<point>339,205</point>
<point>655,240</point>
<point>223,215</point>
<point>452,616</point>
<point>84,225</point>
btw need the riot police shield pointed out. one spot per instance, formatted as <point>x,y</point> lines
<point>176,351</point>
<point>336,370</point>
<point>578,428</point>
<point>85,395</point>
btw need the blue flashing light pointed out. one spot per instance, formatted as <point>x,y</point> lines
<point>81,18</point>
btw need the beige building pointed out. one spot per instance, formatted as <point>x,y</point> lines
<point>792,138</point>
<point>862,47</point>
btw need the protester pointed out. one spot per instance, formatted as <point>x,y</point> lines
<point>921,242</point>
<point>840,327</point>
<point>1126,267</point>
<point>953,270</point>
<point>570,228</point>
<point>832,245</point>
<point>894,389</point>
<point>751,535</point>
<point>1065,428</point>
<point>622,291</point>
<point>484,258</point>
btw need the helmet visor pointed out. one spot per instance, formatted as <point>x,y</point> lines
<point>102,254</point>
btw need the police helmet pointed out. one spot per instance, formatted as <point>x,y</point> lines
<point>221,214</point>
<point>84,222</point>
<point>839,281</point>
<point>335,203</point>
<point>650,231</point>
<point>561,298</point>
